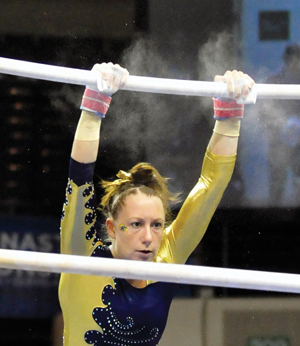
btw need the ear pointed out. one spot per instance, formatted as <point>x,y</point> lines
<point>110,228</point>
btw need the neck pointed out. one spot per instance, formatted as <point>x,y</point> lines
<point>138,283</point>
<point>133,282</point>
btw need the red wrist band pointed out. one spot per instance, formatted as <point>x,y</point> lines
<point>96,102</point>
<point>223,110</point>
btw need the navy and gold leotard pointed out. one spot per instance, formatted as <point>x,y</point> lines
<point>109,311</point>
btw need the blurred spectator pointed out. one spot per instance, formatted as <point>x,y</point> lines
<point>282,121</point>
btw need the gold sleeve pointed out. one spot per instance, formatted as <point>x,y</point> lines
<point>76,220</point>
<point>184,234</point>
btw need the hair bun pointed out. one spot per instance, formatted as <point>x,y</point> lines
<point>144,176</point>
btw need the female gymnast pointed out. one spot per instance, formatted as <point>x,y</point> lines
<point>112,311</point>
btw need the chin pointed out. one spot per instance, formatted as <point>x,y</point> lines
<point>145,258</point>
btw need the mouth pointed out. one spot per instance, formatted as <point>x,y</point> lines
<point>146,252</point>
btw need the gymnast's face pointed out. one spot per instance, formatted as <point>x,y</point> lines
<point>137,231</point>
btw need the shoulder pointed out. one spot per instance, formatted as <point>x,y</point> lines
<point>102,250</point>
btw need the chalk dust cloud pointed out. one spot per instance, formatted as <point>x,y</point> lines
<point>171,132</point>
<point>165,128</point>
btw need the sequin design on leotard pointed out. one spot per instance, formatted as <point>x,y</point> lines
<point>117,330</point>
<point>128,315</point>
<point>91,215</point>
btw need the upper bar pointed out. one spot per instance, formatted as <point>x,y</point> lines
<point>142,84</point>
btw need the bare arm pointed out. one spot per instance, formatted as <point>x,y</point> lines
<point>95,104</point>
<point>223,145</point>
<point>86,150</point>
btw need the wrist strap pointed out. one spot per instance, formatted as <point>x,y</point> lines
<point>96,102</point>
<point>228,127</point>
<point>224,110</point>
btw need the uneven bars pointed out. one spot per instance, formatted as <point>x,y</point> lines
<point>142,84</point>
<point>129,269</point>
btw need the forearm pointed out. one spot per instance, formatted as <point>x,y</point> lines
<point>94,105</point>
<point>223,145</point>
<point>224,140</point>
<point>86,141</point>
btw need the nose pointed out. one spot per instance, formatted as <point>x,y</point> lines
<point>147,235</point>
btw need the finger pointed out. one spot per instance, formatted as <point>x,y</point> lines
<point>242,89</point>
<point>229,80</point>
<point>239,74</point>
<point>121,75</point>
<point>250,80</point>
<point>116,83</point>
<point>219,78</point>
<point>106,70</point>
<point>248,85</point>
<point>124,78</point>
<point>230,83</point>
<point>238,92</point>
<point>101,68</point>
<point>245,91</point>
<point>110,80</point>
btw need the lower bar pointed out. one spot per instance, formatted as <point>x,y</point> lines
<point>177,273</point>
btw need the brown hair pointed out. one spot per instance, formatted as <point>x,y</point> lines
<point>142,177</point>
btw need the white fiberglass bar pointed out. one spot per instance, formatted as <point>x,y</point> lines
<point>137,83</point>
<point>177,273</point>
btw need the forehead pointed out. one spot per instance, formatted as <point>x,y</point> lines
<point>142,205</point>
